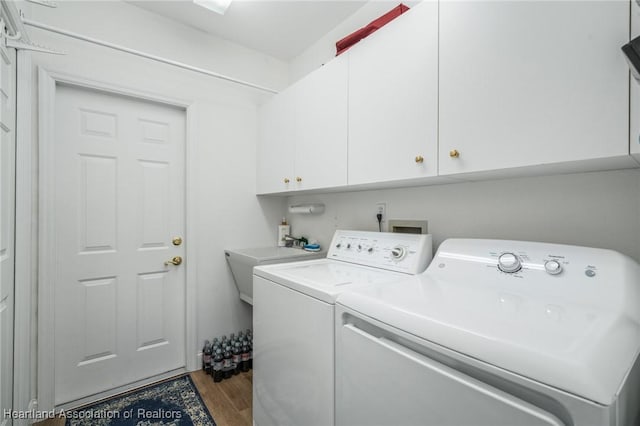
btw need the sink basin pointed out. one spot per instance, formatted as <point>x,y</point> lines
<point>243,260</point>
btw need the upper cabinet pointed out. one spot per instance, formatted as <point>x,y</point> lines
<point>302,141</point>
<point>393,100</point>
<point>531,82</point>
<point>276,144</point>
<point>463,90</point>
<point>321,127</point>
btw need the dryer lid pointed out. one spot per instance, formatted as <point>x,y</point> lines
<point>578,330</point>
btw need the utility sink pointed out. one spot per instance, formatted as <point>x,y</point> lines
<point>243,260</point>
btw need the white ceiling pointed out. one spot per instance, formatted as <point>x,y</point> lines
<point>282,29</point>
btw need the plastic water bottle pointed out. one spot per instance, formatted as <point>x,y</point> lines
<point>237,357</point>
<point>244,356</point>
<point>218,365</point>
<point>228,362</point>
<point>250,354</point>
<point>206,357</point>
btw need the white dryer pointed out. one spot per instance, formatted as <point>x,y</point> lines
<point>495,333</point>
<point>293,320</point>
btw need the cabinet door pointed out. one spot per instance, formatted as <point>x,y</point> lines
<point>321,126</point>
<point>275,151</point>
<point>393,99</point>
<point>532,82</point>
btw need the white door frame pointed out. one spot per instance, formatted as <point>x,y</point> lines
<point>47,82</point>
<point>25,294</point>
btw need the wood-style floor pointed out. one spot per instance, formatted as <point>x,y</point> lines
<point>228,401</point>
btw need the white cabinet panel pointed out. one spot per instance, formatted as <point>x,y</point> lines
<point>393,99</point>
<point>528,82</point>
<point>275,151</point>
<point>321,126</point>
<point>303,133</point>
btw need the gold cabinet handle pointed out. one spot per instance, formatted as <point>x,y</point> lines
<point>298,179</point>
<point>286,180</point>
<point>454,153</point>
<point>177,260</point>
<point>419,159</point>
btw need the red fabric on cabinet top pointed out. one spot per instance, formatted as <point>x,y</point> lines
<point>373,26</point>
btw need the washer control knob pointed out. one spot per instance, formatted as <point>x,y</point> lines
<point>553,267</point>
<point>359,247</point>
<point>349,245</point>
<point>509,262</point>
<point>338,245</point>
<point>398,252</point>
<point>370,250</point>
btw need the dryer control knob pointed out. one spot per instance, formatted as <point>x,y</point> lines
<point>509,262</point>
<point>553,267</point>
<point>398,252</point>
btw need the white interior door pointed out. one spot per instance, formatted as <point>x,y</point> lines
<point>119,202</point>
<point>7,224</point>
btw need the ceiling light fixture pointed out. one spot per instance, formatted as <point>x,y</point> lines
<point>218,6</point>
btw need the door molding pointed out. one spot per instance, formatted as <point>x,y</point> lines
<point>48,80</point>
<point>24,357</point>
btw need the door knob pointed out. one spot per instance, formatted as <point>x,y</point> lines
<point>454,153</point>
<point>176,241</point>
<point>177,260</point>
<point>419,159</point>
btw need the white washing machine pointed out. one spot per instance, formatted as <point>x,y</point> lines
<point>494,333</point>
<point>293,320</point>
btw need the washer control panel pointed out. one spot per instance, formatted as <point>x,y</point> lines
<point>520,259</point>
<point>408,253</point>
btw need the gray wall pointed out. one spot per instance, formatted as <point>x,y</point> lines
<point>600,209</point>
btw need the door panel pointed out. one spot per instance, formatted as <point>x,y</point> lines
<point>153,291</point>
<point>119,200</point>
<point>7,225</point>
<point>99,319</point>
<point>97,209</point>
